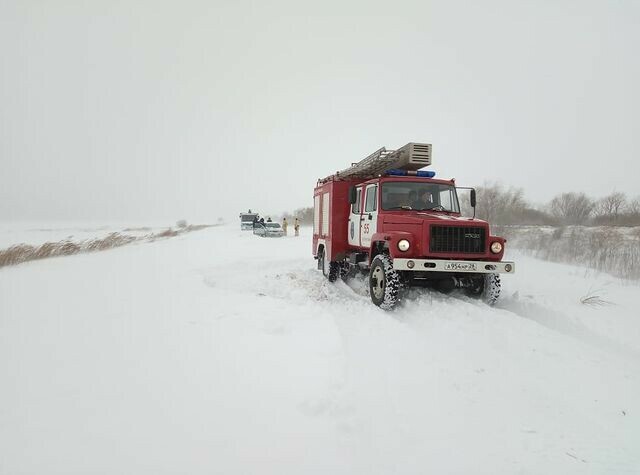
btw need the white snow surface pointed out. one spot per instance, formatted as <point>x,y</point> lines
<point>36,234</point>
<point>219,352</point>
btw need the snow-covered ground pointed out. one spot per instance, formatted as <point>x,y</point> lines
<point>219,352</point>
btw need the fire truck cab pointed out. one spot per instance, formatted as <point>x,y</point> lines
<point>404,227</point>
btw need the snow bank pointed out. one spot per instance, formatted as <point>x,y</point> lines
<point>35,234</point>
<point>22,252</point>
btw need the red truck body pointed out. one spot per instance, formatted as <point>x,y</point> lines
<point>332,213</point>
<point>361,222</point>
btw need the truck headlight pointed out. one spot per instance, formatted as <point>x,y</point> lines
<point>496,247</point>
<point>403,245</point>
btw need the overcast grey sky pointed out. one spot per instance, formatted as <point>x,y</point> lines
<point>142,110</point>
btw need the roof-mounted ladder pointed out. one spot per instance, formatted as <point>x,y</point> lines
<point>412,156</point>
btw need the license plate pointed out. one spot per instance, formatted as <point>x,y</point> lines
<point>459,266</point>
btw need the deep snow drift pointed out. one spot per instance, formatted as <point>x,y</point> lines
<point>221,352</point>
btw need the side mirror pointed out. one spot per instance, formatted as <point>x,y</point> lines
<point>353,195</point>
<point>472,197</point>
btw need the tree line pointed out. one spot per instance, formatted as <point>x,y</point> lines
<point>507,205</point>
<point>502,205</point>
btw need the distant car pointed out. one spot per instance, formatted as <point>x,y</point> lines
<point>268,230</point>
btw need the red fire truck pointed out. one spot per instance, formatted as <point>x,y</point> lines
<point>386,216</point>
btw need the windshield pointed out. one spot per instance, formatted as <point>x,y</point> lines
<point>411,195</point>
<point>273,225</point>
<point>247,217</point>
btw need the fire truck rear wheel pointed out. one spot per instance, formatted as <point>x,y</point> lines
<point>346,272</point>
<point>384,282</point>
<point>330,270</point>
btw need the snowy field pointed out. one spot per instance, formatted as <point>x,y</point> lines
<point>218,352</point>
<point>36,234</point>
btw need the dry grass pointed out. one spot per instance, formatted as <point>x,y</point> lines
<point>605,249</point>
<point>593,299</point>
<point>197,227</point>
<point>16,254</point>
<point>20,253</point>
<point>166,233</point>
<point>109,242</point>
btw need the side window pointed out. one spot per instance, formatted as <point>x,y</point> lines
<point>355,207</point>
<point>316,214</point>
<point>370,203</point>
<point>446,199</point>
<point>325,214</point>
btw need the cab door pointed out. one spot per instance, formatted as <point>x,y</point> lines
<point>369,219</point>
<point>355,216</point>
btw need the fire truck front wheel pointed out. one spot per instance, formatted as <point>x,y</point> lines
<point>487,288</point>
<point>384,282</point>
<point>330,270</point>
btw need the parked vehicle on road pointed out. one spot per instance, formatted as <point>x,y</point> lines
<point>268,230</point>
<point>247,219</point>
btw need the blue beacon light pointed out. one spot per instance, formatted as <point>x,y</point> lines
<point>420,173</point>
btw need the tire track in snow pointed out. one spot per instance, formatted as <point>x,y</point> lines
<point>297,283</point>
<point>561,323</point>
<point>542,315</point>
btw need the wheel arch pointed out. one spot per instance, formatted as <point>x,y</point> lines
<point>388,242</point>
<point>379,246</point>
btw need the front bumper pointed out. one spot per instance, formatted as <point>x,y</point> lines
<point>454,266</point>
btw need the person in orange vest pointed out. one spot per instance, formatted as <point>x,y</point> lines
<point>296,226</point>
<point>284,225</point>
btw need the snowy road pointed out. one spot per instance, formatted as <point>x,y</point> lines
<point>219,352</point>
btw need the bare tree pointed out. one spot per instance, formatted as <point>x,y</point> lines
<point>488,199</point>
<point>633,207</point>
<point>630,215</point>
<point>304,215</point>
<point>609,208</point>
<point>499,205</point>
<point>572,208</point>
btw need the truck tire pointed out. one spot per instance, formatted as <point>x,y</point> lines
<point>330,270</point>
<point>346,272</point>
<point>384,282</point>
<point>487,288</point>
<point>491,288</point>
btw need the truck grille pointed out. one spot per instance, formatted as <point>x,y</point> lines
<point>457,239</point>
